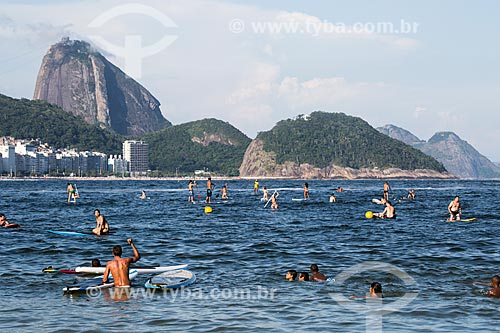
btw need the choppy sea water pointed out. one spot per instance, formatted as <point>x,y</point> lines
<point>241,251</point>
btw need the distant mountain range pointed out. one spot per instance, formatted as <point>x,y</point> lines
<point>458,156</point>
<point>95,106</point>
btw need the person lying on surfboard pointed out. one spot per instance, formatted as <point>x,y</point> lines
<point>119,266</point>
<point>495,283</point>
<point>388,213</point>
<point>3,221</point>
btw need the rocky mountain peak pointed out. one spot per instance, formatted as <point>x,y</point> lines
<point>77,78</point>
<point>399,133</point>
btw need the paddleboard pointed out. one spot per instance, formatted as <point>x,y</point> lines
<point>51,269</point>
<point>377,201</point>
<point>96,283</point>
<point>139,269</point>
<point>70,233</point>
<point>12,225</point>
<point>171,280</point>
<point>464,220</point>
<point>297,199</point>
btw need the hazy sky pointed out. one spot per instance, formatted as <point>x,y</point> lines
<point>255,63</point>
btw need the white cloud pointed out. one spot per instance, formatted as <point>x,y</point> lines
<point>295,24</point>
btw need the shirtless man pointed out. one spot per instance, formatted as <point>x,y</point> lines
<point>388,213</point>
<point>455,209</point>
<point>315,274</point>
<point>191,185</point>
<point>306,191</point>
<point>387,188</point>
<point>71,192</point>
<point>210,187</point>
<point>495,283</point>
<point>119,266</point>
<point>102,226</point>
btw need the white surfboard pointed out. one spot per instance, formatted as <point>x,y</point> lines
<point>139,269</point>
<point>171,280</point>
<point>96,283</point>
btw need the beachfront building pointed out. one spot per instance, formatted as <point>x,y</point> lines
<point>7,159</point>
<point>31,157</point>
<point>136,153</point>
<point>117,165</point>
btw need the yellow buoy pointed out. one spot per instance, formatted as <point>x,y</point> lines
<point>208,210</point>
<point>368,215</point>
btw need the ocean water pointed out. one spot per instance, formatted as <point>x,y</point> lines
<point>241,251</point>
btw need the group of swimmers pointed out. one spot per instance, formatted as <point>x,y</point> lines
<point>315,275</point>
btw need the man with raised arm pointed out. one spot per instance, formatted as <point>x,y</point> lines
<point>119,266</point>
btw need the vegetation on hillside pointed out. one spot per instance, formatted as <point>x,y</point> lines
<point>173,149</point>
<point>322,138</point>
<point>26,119</point>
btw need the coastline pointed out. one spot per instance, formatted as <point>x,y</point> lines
<point>178,178</point>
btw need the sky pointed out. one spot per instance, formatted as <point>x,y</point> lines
<point>425,66</point>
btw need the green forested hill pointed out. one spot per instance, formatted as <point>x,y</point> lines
<point>26,119</point>
<point>322,138</point>
<point>209,144</point>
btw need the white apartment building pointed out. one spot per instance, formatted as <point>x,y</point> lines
<point>136,153</point>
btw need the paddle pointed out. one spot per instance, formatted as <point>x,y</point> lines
<point>268,201</point>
